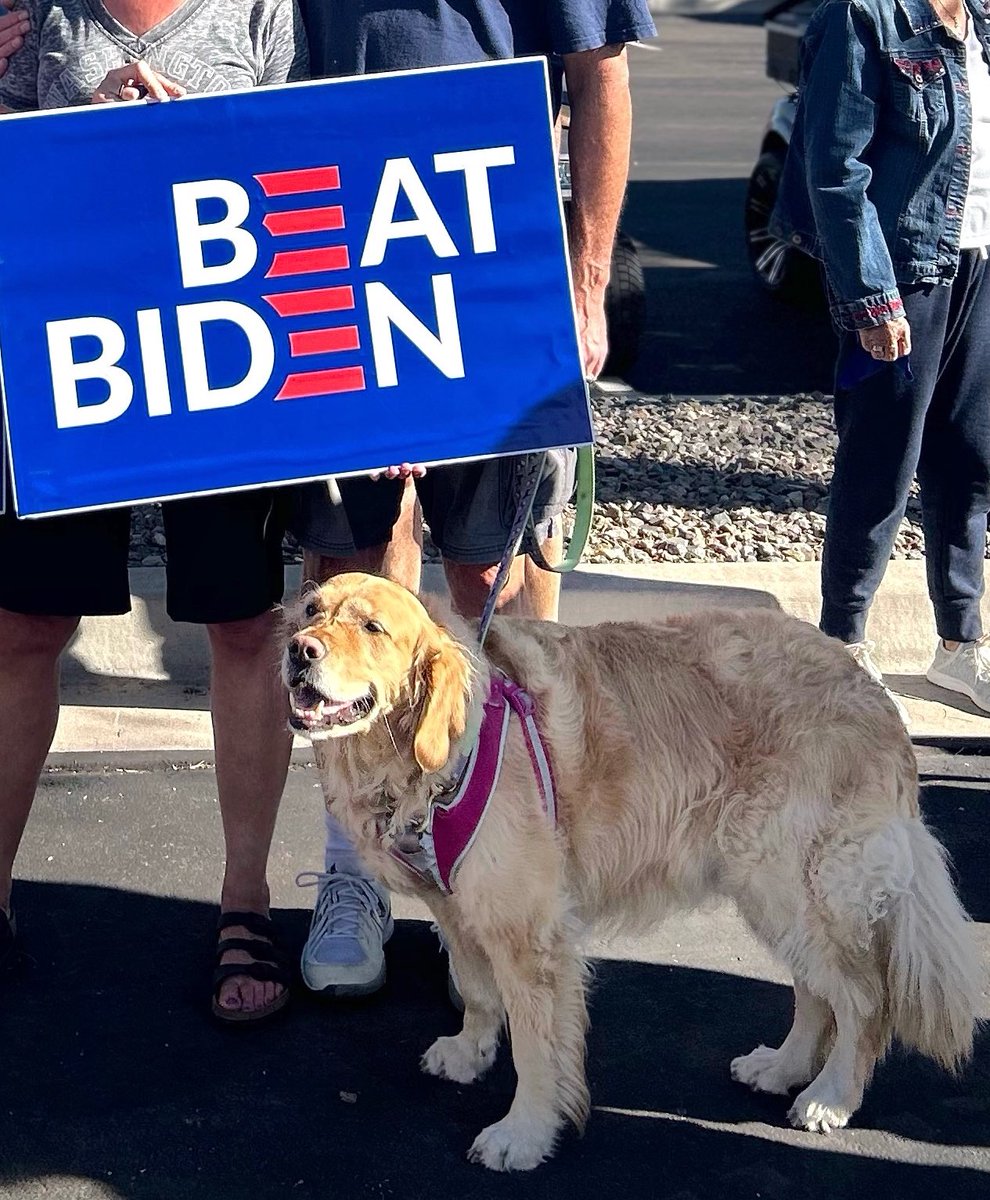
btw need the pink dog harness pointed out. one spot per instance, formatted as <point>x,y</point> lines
<point>453,820</point>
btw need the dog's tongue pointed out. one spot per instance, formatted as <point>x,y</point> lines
<point>313,708</point>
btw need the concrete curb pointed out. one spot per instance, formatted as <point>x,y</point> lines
<point>140,683</point>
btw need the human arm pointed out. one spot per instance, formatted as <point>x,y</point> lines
<point>840,96</point>
<point>284,49</point>
<point>598,144</point>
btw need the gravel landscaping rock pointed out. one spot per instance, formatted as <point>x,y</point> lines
<point>732,479</point>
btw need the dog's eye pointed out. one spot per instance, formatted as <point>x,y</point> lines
<point>374,627</point>
<point>312,609</point>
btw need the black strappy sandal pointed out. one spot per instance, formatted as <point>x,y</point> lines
<point>269,965</point>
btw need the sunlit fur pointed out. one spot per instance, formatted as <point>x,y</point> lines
<point>724,754</point>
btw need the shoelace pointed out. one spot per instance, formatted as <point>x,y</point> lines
<point>981,655</point>
<point>862,655</point>
<point>341,903</point>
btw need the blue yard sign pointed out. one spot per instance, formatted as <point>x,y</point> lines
<point>230,291</point>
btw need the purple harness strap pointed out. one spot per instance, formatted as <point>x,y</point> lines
<point>452,824</point>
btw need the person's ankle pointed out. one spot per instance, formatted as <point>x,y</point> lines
<point>240,898</point>
<point>948,644</point>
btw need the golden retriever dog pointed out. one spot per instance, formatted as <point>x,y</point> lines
<point>722,754</point>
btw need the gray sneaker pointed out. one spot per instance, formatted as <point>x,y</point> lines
<point>965,669</point>
<point>862,655</point>
<point>352,920</point>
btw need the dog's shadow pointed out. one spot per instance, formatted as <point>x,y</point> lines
<point>113,1073</point>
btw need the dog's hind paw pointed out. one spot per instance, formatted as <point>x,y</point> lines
<point>513,1145</point>
<point>765,1070</point>
<point>460,1059</point>
<point>818,1116</point>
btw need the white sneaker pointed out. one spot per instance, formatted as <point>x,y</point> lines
<point>965,669</point>
<point>862,655</point>
<point>352,921</point>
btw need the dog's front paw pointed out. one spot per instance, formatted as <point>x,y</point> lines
<point>513,1145</point>
<point>764,1071</point>
<point>460,1059</point>
<point>819,1114</point>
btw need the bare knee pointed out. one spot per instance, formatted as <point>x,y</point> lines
<point>470,584</point>
<point>318,568</point>
<point>33,641</point>
<point>251,638</point>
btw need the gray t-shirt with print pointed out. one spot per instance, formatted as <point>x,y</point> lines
<point>205,45</point>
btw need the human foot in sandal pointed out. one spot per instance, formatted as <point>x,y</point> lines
<point>251,979</point>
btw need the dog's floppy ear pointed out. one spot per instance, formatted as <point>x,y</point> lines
<point>444,679</point>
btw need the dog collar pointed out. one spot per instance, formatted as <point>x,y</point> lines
<point>454,818</point>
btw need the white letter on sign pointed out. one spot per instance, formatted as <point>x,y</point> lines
<point>67,374</point>
<point>193,235</point>
<point>191,319</point>
<point>386,310</point>
<point>383,227</point>
<point>475,165</point>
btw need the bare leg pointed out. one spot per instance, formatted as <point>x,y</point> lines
<point>404,553</point>
<point>470,584</point>
<point>400,559</point>
<point>535,984</point>
<point>540,596</point>
<point>253,745</point>
<point>468,1056</point>
<point>833,1096</point>
<point>29,654</point>
<point>800,1055</point>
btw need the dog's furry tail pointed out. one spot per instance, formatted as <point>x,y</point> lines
<point>934,976</point>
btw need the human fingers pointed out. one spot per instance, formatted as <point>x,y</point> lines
<point>134,82</point>
<point>14,28</point>
<point>400,471</point>
<point>880,342</point>
<point>904,340</point>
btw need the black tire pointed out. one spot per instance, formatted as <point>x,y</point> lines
<point>780,269</point>
<point>625,307</point>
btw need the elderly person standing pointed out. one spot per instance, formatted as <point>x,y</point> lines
<point>888,183</point>
<point>108,51</point>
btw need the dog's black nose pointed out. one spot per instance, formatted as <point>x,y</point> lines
<point>303,648</point>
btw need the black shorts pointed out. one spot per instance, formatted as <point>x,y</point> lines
<point>469,508</point>
<point>224,559</point>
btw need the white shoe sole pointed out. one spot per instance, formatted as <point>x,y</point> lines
<point>326,980</point>
<point>955,685</point>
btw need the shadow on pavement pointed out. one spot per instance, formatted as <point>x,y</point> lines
<point>711,330</point>
<point>114,1073</point>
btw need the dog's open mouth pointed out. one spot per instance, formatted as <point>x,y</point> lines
<point>311,710</point>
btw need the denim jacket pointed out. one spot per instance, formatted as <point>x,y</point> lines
<point>878,166</point>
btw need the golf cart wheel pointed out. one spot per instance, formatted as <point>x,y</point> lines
<point>625,307</point>
<point>782,270</point>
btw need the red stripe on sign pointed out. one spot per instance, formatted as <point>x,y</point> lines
<point>309,262</point>
<point>322,383</point>
<point>315,300</point>
<point>305,220</point>
<point>324,341</point>
<point>294,183</point>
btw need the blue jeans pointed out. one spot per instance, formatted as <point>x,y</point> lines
<point>933,422</point>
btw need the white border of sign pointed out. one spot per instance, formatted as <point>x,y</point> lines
<point>495,64</point>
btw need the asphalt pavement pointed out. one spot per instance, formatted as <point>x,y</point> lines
<point>115,1081</point>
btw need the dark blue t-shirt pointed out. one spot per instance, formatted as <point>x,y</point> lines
<point>354,37</point>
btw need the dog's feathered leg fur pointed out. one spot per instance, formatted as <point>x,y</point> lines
<point>467,1056</point>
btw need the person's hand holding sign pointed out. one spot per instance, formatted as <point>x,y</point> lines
<point>135,82</point>
<point>14,26</point>
<point>402,471</point>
